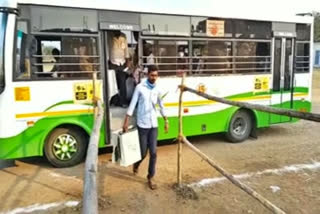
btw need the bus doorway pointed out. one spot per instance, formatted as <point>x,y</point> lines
<point>121,77</point>
<point>282,90</point>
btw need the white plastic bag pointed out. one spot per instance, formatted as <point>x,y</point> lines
<point>127,146</point>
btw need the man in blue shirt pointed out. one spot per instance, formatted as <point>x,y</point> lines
<point>147,96</point>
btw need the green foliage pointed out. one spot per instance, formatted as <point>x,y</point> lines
<point>317,28</point>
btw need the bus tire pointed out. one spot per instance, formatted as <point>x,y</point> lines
<point>240,126</point>
<point>65,147</point>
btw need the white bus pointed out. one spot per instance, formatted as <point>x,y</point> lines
<point>49,49</point>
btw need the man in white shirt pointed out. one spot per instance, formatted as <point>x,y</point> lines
<point>145,97</point>
<point>118,59</point>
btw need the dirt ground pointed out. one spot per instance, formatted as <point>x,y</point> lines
<point>283,165</point>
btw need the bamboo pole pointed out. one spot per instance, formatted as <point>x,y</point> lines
<point>286,112</point>
<point>179,175</point>
<point>94,92</point>
<point>236,182</point>
<point>90,193</point>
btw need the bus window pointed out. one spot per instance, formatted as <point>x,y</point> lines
<point>211,57</point>
<point>302,64</point>
<point>170,56</point>
<point>149,54</point>
<point>26,46</point>
<point>51,55</point>
<point>165,25</point>
<point>67,57</point>
<point>252,29</point>
<point>303,32</point>
<point>54,19</point>
<point>167,53</point>
<point>219,56</point>
<point>302,57</point>
<point>252,57</point>
<point>19,55</point>
<point>198,56</point>
<point>3,23</point>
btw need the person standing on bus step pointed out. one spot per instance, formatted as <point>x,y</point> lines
<point>118,60</point>
<point>147,96</point>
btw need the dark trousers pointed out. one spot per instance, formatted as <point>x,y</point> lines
<point>148,140</point>
<point>121,77</point>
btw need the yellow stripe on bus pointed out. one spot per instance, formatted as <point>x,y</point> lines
<point>54,113</point>
<point>300,94</point>
<point>187,103</point>
<point>207,102</point>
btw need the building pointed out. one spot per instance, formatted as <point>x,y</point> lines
<point>316,54</point>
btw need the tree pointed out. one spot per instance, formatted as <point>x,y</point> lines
<point>317,27</point>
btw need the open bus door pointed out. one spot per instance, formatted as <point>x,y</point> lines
<point>283,75</point>
<point>115,112</point>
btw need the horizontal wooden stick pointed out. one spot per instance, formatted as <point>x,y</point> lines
<point>285,112</point>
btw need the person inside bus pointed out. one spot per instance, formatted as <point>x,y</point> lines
<point>118,61</point>
<point>149,54</point>
<point>197,61</point>
<point>56,68</point>
<point>182,60</point>
<point>149,57</point>
<point>85,62</point>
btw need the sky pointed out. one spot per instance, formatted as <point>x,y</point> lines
<point>288,7</point>
<point>270,9</point>
<point>253,7</point>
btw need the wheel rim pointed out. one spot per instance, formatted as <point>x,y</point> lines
<point>65,147</point>
<point>239,126</point>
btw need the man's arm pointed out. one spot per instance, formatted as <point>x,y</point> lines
<point>166,121</point>
<point>126,51</point>
<point>131,108</point>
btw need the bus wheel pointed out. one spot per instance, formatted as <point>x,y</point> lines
<point>240,127</point>
<point>65,147</point>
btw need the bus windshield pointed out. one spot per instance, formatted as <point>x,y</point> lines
<point>3,24</point>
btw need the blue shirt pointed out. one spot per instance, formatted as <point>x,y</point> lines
<point>147,98</point>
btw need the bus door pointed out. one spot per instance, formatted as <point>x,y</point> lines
<point>120,40</point>
<point>282,90</point>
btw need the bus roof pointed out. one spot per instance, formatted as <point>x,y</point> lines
<point>186,8</point>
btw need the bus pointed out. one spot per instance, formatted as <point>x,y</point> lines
<point>49,50</point>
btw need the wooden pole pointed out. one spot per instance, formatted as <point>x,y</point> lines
<point>238,183</point>
<point>179,175</point>
<point>94,92</point>
<point>286,112</point>
<point>90,193</point>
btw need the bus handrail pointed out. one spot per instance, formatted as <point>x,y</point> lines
<point>64,56</point>
<point>45,63</point>
<point>208,63</point>
<point>218,69</point>
<point>204,57</point>
<point>66,72</point>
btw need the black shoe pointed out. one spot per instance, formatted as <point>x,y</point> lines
<point>124,106</point>
<point>135,170</point>
<point>151,184</point>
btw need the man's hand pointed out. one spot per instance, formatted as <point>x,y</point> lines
<point>125,128</point>
<point>125,124</point>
